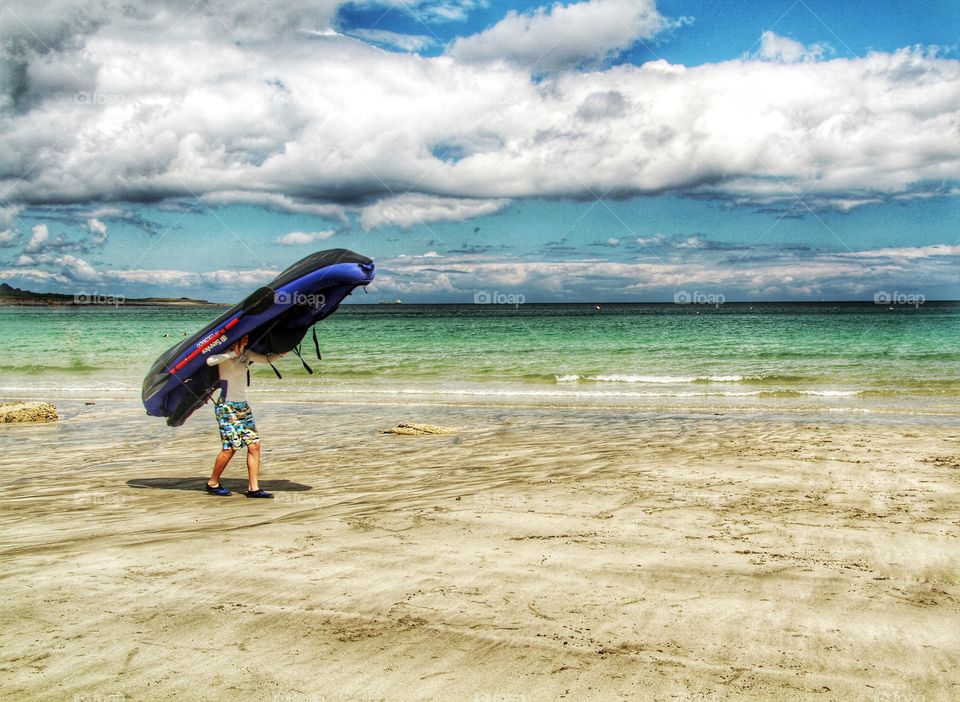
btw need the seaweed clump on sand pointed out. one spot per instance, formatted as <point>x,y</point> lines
<point>411,429</point>
<point>11,412</point>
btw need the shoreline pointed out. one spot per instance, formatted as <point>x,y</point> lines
<point>130,401</point>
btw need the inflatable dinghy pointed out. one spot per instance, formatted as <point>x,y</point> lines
<point>275,317</point>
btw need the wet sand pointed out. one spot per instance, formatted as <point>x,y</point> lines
<point>534,554</point>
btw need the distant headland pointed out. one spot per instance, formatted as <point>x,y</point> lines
<point>15,297</point>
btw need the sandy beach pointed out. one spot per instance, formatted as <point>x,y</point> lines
<point>536,553</point>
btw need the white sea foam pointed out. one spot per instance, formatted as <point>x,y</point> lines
<point>654,379</point>
<point>829,393</point>
<point>494,392</point>
<point>658,379</point>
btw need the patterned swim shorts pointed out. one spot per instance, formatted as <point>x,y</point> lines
<point>237,428</point>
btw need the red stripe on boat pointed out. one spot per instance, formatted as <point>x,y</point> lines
<point>200,349</point>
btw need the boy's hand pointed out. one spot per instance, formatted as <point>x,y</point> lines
<point>238,347</point>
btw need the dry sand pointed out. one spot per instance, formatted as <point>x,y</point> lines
<point>535,554</point>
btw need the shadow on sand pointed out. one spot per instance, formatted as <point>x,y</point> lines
<point>232,484</point>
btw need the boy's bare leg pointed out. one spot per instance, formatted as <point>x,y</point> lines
<point>220,465</point>
<point>253,467</point>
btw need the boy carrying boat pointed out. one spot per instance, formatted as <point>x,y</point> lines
<point>237,426</point>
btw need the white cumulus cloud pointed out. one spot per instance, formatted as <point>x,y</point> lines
<point>330,125</point>
<point>98,232</point>
<point>410,209</point>
<point>77,269</point>
<point>563,35</point>
<point>851,275</point>
<point>40,235</point>
<point>301,238</point>
<point>774,47</point>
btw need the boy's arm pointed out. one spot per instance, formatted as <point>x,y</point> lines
<point>218,358</point>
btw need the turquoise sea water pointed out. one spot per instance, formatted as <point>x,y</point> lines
<point>849,357</point>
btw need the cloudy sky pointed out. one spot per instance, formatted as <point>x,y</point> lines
<point>594,151</point>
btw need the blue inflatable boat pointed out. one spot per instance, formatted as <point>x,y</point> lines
<point>275,317</point>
